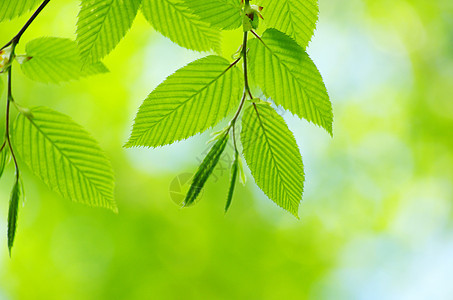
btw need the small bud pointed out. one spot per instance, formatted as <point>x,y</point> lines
<point>5,56</point>
<point>23,58</point>
<point>252,13</point>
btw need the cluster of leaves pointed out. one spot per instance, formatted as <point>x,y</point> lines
<point>205,92</point>
<point>192,100</point>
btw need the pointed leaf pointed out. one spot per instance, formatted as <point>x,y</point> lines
<point>13,212</point>
<point>233,179</point>
<point>286,74</point>
<point>296,18</point>
<point>222,14</point>
<point>173,19</point>
<point>102,24</point>
<point>65,157</point>
<point>188,102</point>
<point>273,157</point>
<point>205,170</point>
<point>55,60</point>
<point>10,9</point>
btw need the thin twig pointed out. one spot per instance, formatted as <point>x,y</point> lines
<point>16,38</point>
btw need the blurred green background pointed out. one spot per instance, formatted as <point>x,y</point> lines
<point>376,220</point>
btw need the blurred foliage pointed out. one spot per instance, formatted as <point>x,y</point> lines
<point>376,220</point>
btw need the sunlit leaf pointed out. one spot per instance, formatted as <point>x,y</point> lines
<point>174,19</point>
<point>65,157</point>
<point>297,18</point>
<point>223,14</point>
<point>188,102</point>
<point>56,60</point>
<point>273,156</point>
<point>285,73</point>
<point>10,9</point>
<point>102,24</point>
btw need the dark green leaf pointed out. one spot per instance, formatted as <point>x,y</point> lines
<point>4,159</point>
<point>13,212</point>
<point>233,177</point>
<point>205,170</point>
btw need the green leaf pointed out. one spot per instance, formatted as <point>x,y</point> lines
<point>273,157</point>
<point>65,157</point>
<point>54,60</point>
<point>10,9</point>
<point>13,212</point>
<point>173,19</point>
<point>102,24</point>
<point>222,14</point>
<point>285,73</point>
<point>205,170</point>
<point>297,18</point>
<point>4,159</point>
<point>233,177</point>
<point>188,102</point>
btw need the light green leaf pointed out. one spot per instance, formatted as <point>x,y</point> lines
<point>55,60</point>
<point>102,24</point>
<point>233,179</point>
<point>285,73</point>
<point>205,170</point>
<point>65,157</point>
<point>297,18</point>
<point>10,9</point>
<point>13,212</point>
<point>188,102</point>
<point>273,157</point>
<point>4,159</point>
<point>173,19</point>
<point>222,14</point>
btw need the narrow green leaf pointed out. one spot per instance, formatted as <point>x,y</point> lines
<point>222,14</point>
<point>188,102</point>
<point>233,177</point>
<point>273,156</point>
<point>173,19</point>
<point>4,159</point>
<point>13,212</point>
<point>65,157</point>
<point>205,170</point>
<point>242,176</point>
<point>10,9</point>
<point>285,73</point>
<point>55,60</point>
<point>102,24</point>
<point>297,18</point>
